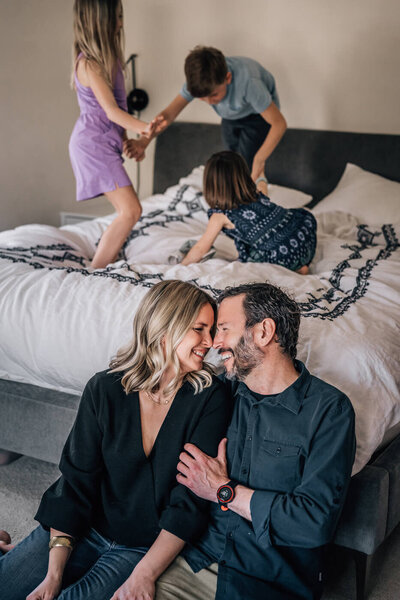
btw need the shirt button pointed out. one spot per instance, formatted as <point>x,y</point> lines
<point>278,450</point>
<point>244,471</point>
<point>339,488</point>
<point>230,534</point>
<point>336,501</point>
<point>249,438</point>
<point>222,562</point>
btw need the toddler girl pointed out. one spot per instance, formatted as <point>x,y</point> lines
<point>97,139</point>
<point>261,230</point>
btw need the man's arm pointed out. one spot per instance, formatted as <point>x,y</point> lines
<point>203,475</point>
<point>305,517</point>
<point>276,120</point>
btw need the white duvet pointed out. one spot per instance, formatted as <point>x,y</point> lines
<point>62,321</point>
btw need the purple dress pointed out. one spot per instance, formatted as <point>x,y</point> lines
<point>95,147</point>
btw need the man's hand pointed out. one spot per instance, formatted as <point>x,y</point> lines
<point>135,148</point>
<point>201,473</point>
<point>137,587</point>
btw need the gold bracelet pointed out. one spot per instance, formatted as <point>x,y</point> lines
<point>61,540</point>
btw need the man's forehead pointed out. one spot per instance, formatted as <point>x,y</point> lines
<point>231,310</point>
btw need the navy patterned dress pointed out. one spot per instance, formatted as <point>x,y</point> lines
<point>266,232</point>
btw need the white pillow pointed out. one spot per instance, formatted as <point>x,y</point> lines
<point>283,196</point>
<point>373,199</point>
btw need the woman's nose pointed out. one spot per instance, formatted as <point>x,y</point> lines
<point>207,340</point>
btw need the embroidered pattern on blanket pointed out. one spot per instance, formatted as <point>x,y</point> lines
<point>333,300</point>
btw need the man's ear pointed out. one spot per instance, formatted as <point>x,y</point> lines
<point>264,332</point>
<point>228,78</point>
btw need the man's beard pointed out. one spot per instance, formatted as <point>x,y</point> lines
<point>246,357</point>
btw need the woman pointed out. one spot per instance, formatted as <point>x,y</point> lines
<point>117,517</point>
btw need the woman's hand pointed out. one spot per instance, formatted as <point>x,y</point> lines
<point>47,590</point>
<point>138,586</point>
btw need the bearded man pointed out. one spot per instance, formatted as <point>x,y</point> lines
<point>280,479</point>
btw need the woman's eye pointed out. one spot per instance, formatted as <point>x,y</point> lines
<point>198,328</point>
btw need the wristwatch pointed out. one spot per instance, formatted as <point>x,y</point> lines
<point>226,493</point>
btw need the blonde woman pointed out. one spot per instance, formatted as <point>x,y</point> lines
<point>97,139</point>
<point>117,517</point>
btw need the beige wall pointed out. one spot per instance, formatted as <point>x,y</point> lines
<point>336,63</point>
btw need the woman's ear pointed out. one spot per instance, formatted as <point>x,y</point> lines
<point>264,332</point>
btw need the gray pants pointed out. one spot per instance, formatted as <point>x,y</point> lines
<point>179,582</point>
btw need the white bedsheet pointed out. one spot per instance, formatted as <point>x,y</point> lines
<point>61,321</point>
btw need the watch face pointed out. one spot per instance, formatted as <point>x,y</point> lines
<point>225,493</point>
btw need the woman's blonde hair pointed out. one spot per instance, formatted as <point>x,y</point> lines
<point>227,181</point>
<point>164,317</point>
<point>95,24</point>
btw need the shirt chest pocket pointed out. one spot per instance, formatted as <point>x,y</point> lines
<point>278,465</point>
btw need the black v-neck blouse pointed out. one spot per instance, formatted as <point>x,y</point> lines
<point>107,481</point>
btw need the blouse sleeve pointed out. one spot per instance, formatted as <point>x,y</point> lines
<point>67,504</point>
<point>187,515</point>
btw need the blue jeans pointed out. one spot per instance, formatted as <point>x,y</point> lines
<point>96,568</point>
<point>245,135</point>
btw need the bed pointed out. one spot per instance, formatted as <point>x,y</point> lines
<point>61,321</point>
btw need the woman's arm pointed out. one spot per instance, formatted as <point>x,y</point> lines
<point>141,583</point>
<point>215,224</point>
<point>107,101</point>
<point>50,587</point>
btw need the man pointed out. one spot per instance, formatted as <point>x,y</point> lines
<point>278,493</point>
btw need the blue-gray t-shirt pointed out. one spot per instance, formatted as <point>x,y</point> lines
<point>251,90</point>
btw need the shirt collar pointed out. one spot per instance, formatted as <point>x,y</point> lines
<point>291,398</point>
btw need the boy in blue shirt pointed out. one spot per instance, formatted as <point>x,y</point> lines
<point>242,93</point>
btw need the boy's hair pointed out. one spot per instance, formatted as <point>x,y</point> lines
<point>95,23</point>
<point>205,68</point>
<point>227,181</point>
<point>267,301</point>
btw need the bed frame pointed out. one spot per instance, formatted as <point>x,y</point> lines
<point>35,421</point>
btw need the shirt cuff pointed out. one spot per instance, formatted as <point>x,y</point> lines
<point>260,510</point>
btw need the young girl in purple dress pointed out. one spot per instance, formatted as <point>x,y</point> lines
<point>96,142</point>
<point>262,231</point>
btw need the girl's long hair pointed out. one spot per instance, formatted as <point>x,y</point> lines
<point>164,317</point>
<point>95,36</point>
<point>227,181</point>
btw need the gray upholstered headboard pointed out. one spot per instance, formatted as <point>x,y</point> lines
<point>309,160</point>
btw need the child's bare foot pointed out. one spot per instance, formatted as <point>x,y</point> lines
<point>5,542</point>
<point>303,270</point>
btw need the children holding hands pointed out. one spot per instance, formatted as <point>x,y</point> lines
<point>242,92</point>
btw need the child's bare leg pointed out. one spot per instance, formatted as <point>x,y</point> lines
<point>303,270</point>
<point>128,208</point>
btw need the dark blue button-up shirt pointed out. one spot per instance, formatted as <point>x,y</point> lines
<point>296,450</point>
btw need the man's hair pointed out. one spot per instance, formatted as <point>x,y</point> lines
<point>227,182</point>
<point>205,68</point>
<point>266,301</point>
